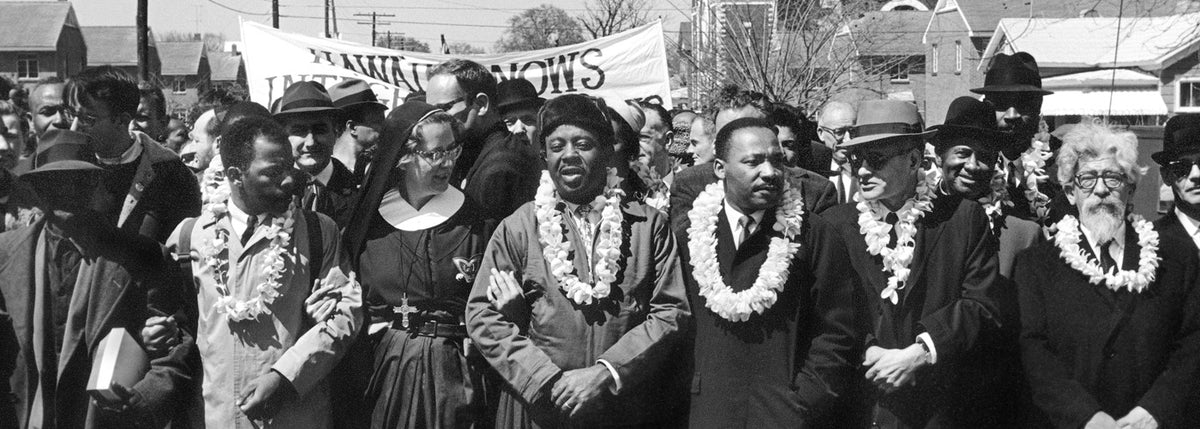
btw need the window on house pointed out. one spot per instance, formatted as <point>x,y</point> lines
<point>27,67</point>
<point>933,60</point>
<point>957,56</point>
<point>179,86</point>
<point>1188,95</point>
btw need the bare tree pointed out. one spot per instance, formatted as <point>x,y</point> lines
<point>541,27</point>
<point>401,42</point>
<point>607,17</point>
<point>463,48</point>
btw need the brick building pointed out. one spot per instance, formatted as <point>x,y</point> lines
<point>40,39</point>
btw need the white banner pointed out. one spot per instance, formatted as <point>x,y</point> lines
<point>631,64</point>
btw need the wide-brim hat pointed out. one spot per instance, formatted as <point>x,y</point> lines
<point>305,97</point>
<point>1181,136</point>
<point>975,121</point>
<point>880,120</point>
<point>354,93</point>
<point>63,150</point>
<point>516,94</point>
<point>1013,73</point>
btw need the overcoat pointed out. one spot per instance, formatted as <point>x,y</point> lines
<point>818,192</point>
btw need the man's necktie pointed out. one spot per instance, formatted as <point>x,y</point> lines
<point>747,224</point>
<point>892,219</point>
<point>251,225</point>
<point>312,195</point>
<point>1107,263</point>
<point>583,214</point>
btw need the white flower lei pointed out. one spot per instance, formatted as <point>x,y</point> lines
<point>1067,239</point>
<point>1033,162</point>
<point>896,260</point>
<point>216,252</point>
<point>556,248</point>
<point>658,194</point>
<point>702,245</point>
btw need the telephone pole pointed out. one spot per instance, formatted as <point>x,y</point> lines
<point>143,41</point>
<point>275,13</point>
<point>326,19</point>
<point>333,13</point>
<point>374,22</point>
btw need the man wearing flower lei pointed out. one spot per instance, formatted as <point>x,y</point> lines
<point>579,304</point>
<point>266,338</point>
<point>929,276</point>
<point>1110,308</point>
<point>774,340</point>
<point>1178,161</point>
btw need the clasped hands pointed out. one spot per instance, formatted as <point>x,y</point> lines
<point>578,391</point>
<point>1138,418</point>
<point>891,369</point>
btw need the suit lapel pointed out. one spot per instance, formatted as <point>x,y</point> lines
<point>141,180</point>
<point>726,251</point>
<point>926,239</point>
<point>1100,289</point>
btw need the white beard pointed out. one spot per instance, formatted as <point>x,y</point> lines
<point>1104,221</point>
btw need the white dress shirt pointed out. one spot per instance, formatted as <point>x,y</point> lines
<point>734,217</point>
<point>1192,226</point>
<point>1116,249</point>
<point>240,219</point>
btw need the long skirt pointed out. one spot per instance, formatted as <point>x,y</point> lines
<point>422,382</point>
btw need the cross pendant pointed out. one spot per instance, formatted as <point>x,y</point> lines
<point>404,310</point>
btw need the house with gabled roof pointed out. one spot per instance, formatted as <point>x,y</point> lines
<point>40,39</point>
<point>186,73</point>
<point>117,46</point>
<point>228,68</point>
<point>891,58</point>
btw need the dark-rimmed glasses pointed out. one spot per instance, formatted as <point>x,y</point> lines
<point>1087,181</point>
<point>439,154</point>
<point>447,105</point>
<point>875,159</point>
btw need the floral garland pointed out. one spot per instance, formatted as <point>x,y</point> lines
<point>994,203</point>
<point>658,194</point>
<point>216,252</point>
<point>702,245</point>
<point>556,248</point>
<point>876,232</point>
<point>1033,163</point>
<point>1067,239</point>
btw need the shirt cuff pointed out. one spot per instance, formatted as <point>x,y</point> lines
<point>616,387</point>
<point>928,340</point>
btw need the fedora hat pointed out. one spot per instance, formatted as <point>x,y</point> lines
<point>974,120</point>
<point>884,119</point>
<point>517,93</point>
<point>305,97</point>
<point>63,150</point>
<point>1181,136</point>
<point>1013,73</point>
<point>353,93</point>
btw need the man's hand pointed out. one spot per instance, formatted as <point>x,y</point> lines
<point>577,390</point>
<point>263,397</point>
<point>118,407</point>
<point>891,369</point>
<point>323,300</point>
<point>1138,418</point>
<point>160,333</point>
<point>504,292</point>
<point>1101,420</point>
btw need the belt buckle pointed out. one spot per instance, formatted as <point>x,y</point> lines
<point>428,329</point>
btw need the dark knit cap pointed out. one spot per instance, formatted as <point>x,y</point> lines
<point>578,110</point>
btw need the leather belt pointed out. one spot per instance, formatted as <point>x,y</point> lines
<point>433,329</point>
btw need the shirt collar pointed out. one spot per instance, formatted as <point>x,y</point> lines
<point>1116,249</point>
<point>401,215</point>
<point>326,174</point>
<point>733,215</point>
<point>54,236</point>
<point>130,155</point>
<point>1192,226</point>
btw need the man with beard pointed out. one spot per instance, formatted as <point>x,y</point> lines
<point>313,124</point>
<point>147,190</point>
<point>1178,159</point>
<point>833,127</point>
<point>519,103</point>
<point>498,172</point>
<point>601,303</point>
<point>1110,309</point>
<point>775,340</point>
<point>929,275</point>
<point>363,124</point>
<point>259,265</point>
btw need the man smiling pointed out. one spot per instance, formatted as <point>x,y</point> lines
<point>313,125</point>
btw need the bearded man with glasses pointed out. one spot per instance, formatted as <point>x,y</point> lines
<point>1110,308</point>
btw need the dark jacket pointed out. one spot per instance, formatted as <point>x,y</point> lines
<point>951,293</point>
<point>814,156</point>
<point>111,291</point>
<point>504,176</point>
<point>338,197</point>
<point>818,192</point>
<point>162,193</point>
<point>787,366</point>
<point>1086,348</point>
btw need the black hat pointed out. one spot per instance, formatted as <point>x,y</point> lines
<point>976,120</point>
<point>1181,136</point>
<point>305,97</point>
<point>1013,73</point>
<point>517,93</point>
<point>354,93</point>
<point>63,150</point>
<point>578,110</point>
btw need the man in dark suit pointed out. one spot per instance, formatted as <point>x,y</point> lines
<point>69,280</point>
<point>799,149</point>
<point>764,356</point>
<point>1110,328</point>
<point>929,276</point>
<point>1177,162</point>
<point>313,125</point>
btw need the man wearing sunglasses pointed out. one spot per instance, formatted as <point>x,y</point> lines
<point>313,124</point>
<point>929,274</point>
<point>1178,165</point>
<point>146,189</point>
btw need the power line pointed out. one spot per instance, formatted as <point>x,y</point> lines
<point>373,23</point>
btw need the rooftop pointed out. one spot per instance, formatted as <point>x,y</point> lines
<point>116,45</point>
<point>1149,43</point>
<point>34,26</point>
<point>180,58</point>
<point>225,66</point>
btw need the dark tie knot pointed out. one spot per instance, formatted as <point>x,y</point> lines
<point>892,218</point>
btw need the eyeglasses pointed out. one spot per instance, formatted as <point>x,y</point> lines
<point>450,153</point>
<point>447,105</point>
<point>875,159</point>
<point>837,132</point>
<point>1181,168</point>
<point>1087,181</point>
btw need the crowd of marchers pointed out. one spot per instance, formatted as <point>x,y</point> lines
<point>480,256</point>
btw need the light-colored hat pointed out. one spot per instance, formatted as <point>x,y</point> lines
<point>884,119</point>
<point>629,112</point>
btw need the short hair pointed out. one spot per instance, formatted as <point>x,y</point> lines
<point>434,118</point>
<point>656,108</point>
<point>155,95</point>
<point>1094,138</point>
<point>112,86</point>
<point>708,124</point>
<point>837,105</point>
<point>732,97</point>
<point>782,115</point>
<point>237,143</point>
<point>473,77</point>
<point>726,133</point>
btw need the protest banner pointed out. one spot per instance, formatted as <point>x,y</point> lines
<point>630,64</point>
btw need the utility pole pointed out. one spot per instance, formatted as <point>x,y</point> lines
<point>333,13</point>
<point>326,19</point>
<point>374,22</point>
<point>389,39</point>
<point>143,48</point>
<point>275,13</point>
